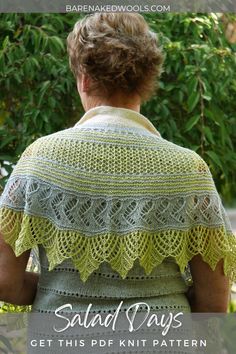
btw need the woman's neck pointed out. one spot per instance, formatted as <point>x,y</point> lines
<point>114,101</point>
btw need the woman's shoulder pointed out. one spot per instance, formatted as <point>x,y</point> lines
<point>183,158</point>
<point>48,141</point>
<point>166,156</point>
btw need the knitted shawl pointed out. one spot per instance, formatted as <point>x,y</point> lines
<point>111,189</point>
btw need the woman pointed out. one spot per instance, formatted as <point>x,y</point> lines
<point>117,211</point>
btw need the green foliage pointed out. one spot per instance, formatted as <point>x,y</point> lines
<point>37,90</point>
<point>232,306</point>
<point>194,107</point>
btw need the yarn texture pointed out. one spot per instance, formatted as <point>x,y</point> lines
<point>112,190</point>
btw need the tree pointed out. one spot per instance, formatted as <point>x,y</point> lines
<point>195,105</point>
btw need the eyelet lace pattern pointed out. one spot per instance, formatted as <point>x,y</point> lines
<point>115,195</point>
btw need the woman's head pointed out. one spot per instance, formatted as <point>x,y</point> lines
<point>118,52</point>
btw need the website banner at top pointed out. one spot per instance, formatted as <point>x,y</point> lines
<point>142,6</point>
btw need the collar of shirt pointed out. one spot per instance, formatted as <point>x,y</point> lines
<point>121,117</point>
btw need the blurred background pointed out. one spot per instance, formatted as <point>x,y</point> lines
<point>195,105</point>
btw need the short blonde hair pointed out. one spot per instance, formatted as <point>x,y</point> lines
<point>118,51</point>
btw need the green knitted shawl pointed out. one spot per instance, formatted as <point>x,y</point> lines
<point>111,189</point>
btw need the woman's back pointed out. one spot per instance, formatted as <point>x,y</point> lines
<point>104,194</point>
<point>162,290</point>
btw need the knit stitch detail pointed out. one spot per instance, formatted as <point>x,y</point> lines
<point>23,232</point>
<point>94,214</point>
<point>107,192</point>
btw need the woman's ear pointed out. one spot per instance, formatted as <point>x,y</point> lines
<point>83,83</point>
